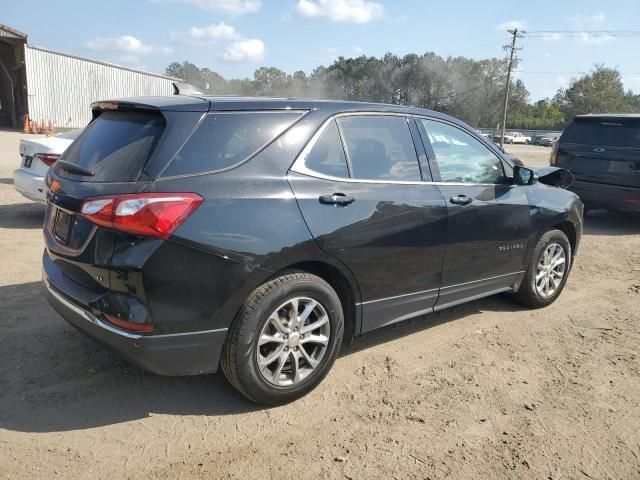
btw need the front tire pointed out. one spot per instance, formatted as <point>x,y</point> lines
<point>285,339</point>
<point>548,271</point>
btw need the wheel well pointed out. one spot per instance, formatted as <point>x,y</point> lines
<point>340,284</point>
<point>569,230</point>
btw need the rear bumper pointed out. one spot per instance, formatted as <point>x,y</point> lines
<point>30,185</point>
<point>190,353</point>
<point>601,195</point>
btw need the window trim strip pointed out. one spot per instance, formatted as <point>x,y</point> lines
<point>299,165</point>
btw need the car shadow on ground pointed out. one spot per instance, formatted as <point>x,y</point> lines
<point>22,215</point>
<point>53,378</point>
<point>6,181</point>
<point>601,222</point>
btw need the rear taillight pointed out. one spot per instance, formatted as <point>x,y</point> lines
<point>149,214</point>
<point>553,158</point>
<point>47,158</point>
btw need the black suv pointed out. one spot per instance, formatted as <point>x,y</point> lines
<point>183,232</point>
<point>603,153</point>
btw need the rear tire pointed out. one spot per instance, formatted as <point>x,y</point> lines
<point>273,357</point>
<point>547,272</point>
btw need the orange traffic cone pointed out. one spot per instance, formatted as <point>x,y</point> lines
<point>35,127</point>
<point>25,128</point>
<point>51,132</point>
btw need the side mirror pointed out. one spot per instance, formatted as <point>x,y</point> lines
<point>523,175</point>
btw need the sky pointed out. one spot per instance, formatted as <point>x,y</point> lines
<point>234,37</point>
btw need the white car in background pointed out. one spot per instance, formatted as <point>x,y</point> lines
<point>513,137</point>
<point>37,155</point>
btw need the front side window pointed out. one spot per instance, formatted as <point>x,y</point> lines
<point>327,155</point>
<point>225,139</point>
<point>460,157</point>
<point>380,147</point>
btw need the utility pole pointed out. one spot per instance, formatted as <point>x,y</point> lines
<point>512,49</point>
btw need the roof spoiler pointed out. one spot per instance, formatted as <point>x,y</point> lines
<point>183,88</point>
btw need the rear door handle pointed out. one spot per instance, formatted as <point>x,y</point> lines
<point>339,199</point>
<point>461,200</point>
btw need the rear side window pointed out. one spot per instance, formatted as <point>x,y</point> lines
<point>115,146</point>
<point>624,132</point>
<point>225,139</point>
<point>380,148</point>
<point>327,155</point>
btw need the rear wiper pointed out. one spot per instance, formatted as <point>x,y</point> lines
<point>73,168</point>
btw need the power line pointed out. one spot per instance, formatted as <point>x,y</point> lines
<point>569,73</point>
<point>549,34</point>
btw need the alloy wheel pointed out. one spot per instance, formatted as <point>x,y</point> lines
<point>293,341</point>
<point>551,270</point>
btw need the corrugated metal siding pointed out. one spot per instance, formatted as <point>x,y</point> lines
<point>7,34</point>
<point>61,87</point>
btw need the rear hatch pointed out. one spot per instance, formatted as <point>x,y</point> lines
<point>602,150</point>
<point>120,152</point>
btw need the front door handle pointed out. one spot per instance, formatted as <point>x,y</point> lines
<point>339,199</point>
<point>461,200</point>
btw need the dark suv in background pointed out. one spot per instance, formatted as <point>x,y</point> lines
<point>603,153</point>
<point>184,232</point>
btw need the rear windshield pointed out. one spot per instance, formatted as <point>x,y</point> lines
<point>115,146</point>
<point>611,132</point>
<point>225,139</point>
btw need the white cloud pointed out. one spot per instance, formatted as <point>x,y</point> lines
<point>126,44</point>
<point>207,34</point>
<point>589,22</point>
<point>552,37</point>
<point>511,24</point>
<point>592,39</point>
<point>354,11</point>
<point>230,7</point>
<point>250,49</point>
<point>358,50</point>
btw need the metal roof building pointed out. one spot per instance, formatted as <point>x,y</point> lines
<point>59,87</point>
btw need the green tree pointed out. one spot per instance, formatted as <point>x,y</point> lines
<point>600,91</point>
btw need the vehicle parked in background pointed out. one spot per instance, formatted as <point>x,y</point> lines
<point>603,153</point>
<point>37,154</point>
<point>513,137</point>
<point>183,232</point>
<point>547,141</point>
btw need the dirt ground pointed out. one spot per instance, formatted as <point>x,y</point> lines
<point>487,390</point>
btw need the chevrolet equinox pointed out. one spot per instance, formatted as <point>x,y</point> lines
<point>185,232</point>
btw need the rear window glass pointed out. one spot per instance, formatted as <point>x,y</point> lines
<point>225,139</point>
<point>115,146</point>
<point>612,132</point>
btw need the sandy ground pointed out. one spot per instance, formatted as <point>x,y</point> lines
<point>487,390</point>
<point>531,155</point>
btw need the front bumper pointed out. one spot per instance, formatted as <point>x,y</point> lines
<point>190,353</point>
<point>30,185</point>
